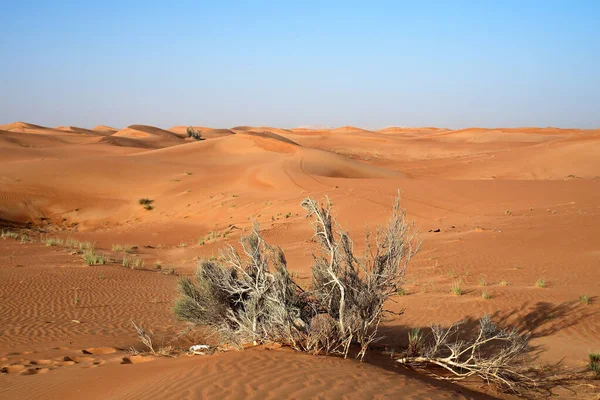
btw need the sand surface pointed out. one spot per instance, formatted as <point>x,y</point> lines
<point>498,210</point>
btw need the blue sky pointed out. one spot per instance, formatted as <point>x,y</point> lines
<point>321,63</point>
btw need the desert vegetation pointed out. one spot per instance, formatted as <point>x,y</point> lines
<point>194,133</point>
<point>594,363</point>
<point>253,298</point>
<point>494,354</point>
<point>92,258</point>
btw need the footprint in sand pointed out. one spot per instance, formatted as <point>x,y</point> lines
<point>36,371</point>
<point>41,362</point>
<point>13,369</point>
<point>99,350</point>
<point>136,359</point>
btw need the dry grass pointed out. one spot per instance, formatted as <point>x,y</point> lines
<point>51,242</point>
<point>456,288</point>
<point>92,258</point>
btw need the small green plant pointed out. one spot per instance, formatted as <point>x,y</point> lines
<point>148,207</point>
<point>541,283</point>
<point>585,299</point>
<point>92,258</point>
<point>145,201</point>
<point>486,295</point>
<point>286,216</point>
<point>481,281</point>
<point>456,289</point>
<point>595,363</point>
<point>182,245</point>
<point>402,292</point>
<point>76,301</point>
<point>415,342</point>
<point>158,265</point>
<point>53,242</point>
<point>503,283</point>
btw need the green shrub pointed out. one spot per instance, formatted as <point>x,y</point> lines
<point>595,363</point>
<point>193,133</point>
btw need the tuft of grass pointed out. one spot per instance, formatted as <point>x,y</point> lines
<point>9,235</point>
<point>25,238</point>
<point>595,363</point>
<point>145,201</point>
<point>541,283</point>
<point>133,263</point>
<point>158,265</point>
<point>148,207</point>
<point>51,242</point>
<point>486,295</point>
<point>481,281</point>
<point>182,245</point>
<point>585,299</point>
<point>503,283</point>
<point>286,216</point>
<point>92,258</point>
<point>128,248</point>
<point>456,289</point>
<point>415,341</point>
<point>402,292</point>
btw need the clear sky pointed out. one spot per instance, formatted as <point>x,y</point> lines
<point>301,63</point>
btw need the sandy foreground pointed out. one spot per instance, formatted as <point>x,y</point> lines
<point>498,209</point>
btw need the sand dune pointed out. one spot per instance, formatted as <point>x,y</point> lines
<point>494,205</point>
<point>104,128</point>
<point>145,132</point>
<point>348,129</point>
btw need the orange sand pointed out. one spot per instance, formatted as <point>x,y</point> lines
<point>512,205</point>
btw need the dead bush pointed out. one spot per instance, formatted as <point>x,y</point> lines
<point>493,354</point>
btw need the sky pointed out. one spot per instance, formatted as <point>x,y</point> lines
<point>370,64</point>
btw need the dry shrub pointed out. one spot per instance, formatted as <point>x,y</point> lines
<point>493,354</point>
<point>253,297</point>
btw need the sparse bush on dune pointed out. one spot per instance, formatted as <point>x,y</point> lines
<point>253,298</point>
<point>194,133</point>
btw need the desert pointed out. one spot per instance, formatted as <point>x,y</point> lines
<point>508,219</point>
